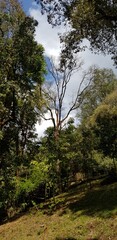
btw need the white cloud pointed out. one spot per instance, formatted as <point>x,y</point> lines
<point>40,128</point>
<point>48,37</point>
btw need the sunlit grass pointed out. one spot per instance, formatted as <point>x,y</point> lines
<point>80,214</point>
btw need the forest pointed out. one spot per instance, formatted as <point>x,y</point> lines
<point>74,149</point>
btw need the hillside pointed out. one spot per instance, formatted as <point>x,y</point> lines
<point>80,214</point>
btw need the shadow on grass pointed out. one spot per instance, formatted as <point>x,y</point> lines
<point>101,202</point>
<point>68,238</point>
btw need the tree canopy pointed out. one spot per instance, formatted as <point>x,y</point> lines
<point>31,168</point>
<point>93,20</point>
<point>103,83</point>
<point>22,68</point>
<point>104,121</point>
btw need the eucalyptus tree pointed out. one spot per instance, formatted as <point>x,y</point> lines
<point>55,92</point>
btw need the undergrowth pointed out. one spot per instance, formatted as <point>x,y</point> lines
<point>83,213</point>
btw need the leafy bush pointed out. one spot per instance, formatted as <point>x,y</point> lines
<point>32,187</point>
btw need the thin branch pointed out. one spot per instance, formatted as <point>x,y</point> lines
<point>52,117</point>
<point>61,79</point>
<point>79,97</point>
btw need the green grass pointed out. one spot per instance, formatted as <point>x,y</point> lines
<point>80,214</point>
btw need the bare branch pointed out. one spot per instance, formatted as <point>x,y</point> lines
<point>80,94</point>
<point>61,77</point>
<point>52,117</point>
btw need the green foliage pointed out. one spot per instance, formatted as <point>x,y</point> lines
<point>64,156</point>
<point>103,83</point>
<point>23,186</point>
<point>105,163</point>
<point>31,170</point>
<point>104,122</point>
<point>39,172</point>
<point>98,124</point>
<point>77,214</point>
<point>22,68</point>
<point>93,20</point>
<point>31,188</point>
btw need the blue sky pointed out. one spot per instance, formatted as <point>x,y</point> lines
<point>48,37</point>
<point>26,5</point>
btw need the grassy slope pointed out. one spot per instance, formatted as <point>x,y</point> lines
<point>76,215</point>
